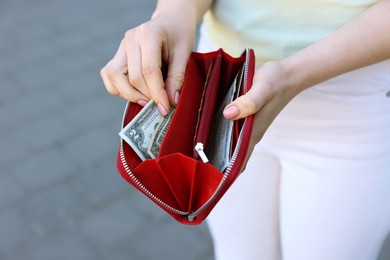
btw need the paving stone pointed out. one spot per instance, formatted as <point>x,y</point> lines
<point>80,88</point>
<point>56,204</point>
<point>61,196</point>
<point>14,231</point>
<point>151,213</point>
<point>79,60</point>
<point>33,77</point>
<point>91,146</point>
<point>112,225</point>
<point>64,245</point>
<point>100,184</point>
<point>9,90</point>
<point>43,169</point>
<point>45,131</point>
<point>10,190</point>
<point>124,253</point>
<point>178,243</point>
<point>28,108</point>
<point>98,109</point>
<point>13,150</point>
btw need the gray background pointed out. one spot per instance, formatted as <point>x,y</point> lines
<point>60,194</point>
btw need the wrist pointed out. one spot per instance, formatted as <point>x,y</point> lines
<point>301,72</point>
<point>282,76</point>
<point>190,11</point>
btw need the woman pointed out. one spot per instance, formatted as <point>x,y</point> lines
<point>317,184</point>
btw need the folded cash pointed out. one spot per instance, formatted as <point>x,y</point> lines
<point>219,149</point>
<point>159,133</point>
<point>139,132</point>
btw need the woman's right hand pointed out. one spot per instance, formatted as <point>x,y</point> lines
<point>135,74</point>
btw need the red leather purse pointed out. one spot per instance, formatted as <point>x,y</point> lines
<point>178,180</point>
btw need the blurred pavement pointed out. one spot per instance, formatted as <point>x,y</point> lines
<point>60,194</point>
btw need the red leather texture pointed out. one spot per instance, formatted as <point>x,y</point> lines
<point>177,180</point>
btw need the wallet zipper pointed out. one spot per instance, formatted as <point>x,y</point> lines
<point>189,215</point>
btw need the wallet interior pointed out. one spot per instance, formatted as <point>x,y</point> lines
<point>201,95</point>
<point>188,126</point>
<point>177,177</point>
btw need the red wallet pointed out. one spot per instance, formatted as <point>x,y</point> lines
<point>178,180</point>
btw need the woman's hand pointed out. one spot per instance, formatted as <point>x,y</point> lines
<point>135,73</point>
<point>269,94</point>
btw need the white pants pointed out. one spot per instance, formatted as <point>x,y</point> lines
<point>318,184</point>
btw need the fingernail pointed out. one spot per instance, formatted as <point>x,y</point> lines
<point>231,112</point>
<point>177,96</point>
<point>142,102</point>
<point>162,109</point>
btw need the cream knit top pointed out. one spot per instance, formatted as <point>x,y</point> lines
<point>276,28</point>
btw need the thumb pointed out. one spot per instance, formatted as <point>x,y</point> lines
<point>243,106</point>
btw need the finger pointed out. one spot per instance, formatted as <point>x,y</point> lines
<point>153,77</point>
<point>249,103</point>
<point>127,91</point>
<point>117,75</point>
<point>134,66</point>
<point>242,107</point>
<point>151,70</point>
<point>107,82</point>
<point>122,85</point>
<point>136,78</point>
<point>175,77</point>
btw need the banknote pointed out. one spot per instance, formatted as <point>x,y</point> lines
<point>219,148</point>
<point>139,132</point>
<point>159,133</point>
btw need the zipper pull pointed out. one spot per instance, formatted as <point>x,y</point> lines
<point>199,150</point>
<point>191,217</point>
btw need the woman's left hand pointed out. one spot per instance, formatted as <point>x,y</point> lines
<point>269,94</point>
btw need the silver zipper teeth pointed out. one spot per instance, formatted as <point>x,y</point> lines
<point>193,215</point>
<point>190,216</point>
<point>143,188</point>
<point>246,70</point>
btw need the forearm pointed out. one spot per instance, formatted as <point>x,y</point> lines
<point>363,41</point>
<point>192,10</point>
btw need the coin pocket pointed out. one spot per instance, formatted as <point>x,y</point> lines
<point>179,178</point>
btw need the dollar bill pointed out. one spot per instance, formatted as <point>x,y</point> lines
<point>220,142</point>
<point>139,132</point>
<point>159,133</point>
